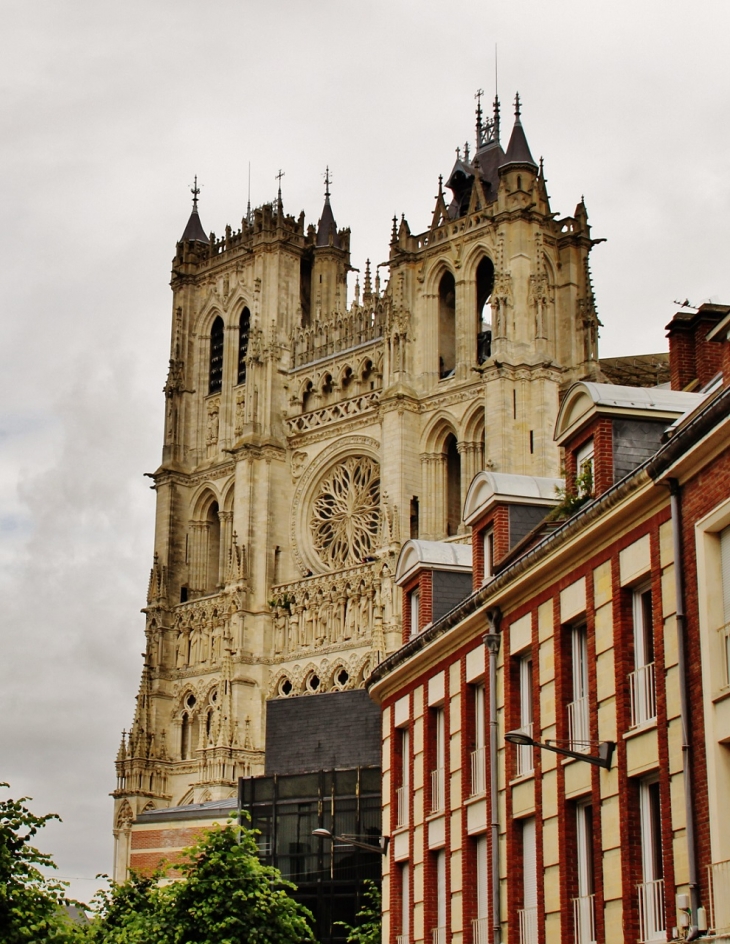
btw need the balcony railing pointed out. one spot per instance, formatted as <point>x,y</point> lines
<point>718,875</point>
<point>480,931</point>
<point>578,725</point>
<point>438,936</point>
<point>652,922</point>
<point>643,695</point>
<point>478,771</point>
<point>401,799</point>
<point>528,925</point>
<point>525,754</point>
<point>401,939</point>
<point>437,789</point>
<point>584,920</point>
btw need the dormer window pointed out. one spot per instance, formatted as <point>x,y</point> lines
<point>584,470</point>
<point>414,600</point>
<point>488,551</point>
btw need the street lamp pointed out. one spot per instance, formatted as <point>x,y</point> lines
<point>382,846</point>
<point>602,759</point>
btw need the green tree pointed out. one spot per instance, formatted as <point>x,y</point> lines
<point>368,930</point>
<point>31,903</point>
<point>224,896</point>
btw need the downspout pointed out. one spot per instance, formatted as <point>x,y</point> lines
<point>694,888</point>
<point>491,641</point>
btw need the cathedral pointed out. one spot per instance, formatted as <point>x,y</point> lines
<point>310,431</point>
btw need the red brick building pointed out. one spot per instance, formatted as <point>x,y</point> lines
<point>601,633</point>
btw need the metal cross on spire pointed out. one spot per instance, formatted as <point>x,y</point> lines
<point>195,190</point>
<point>327,181</point>
<point>478,97</point>
<point>517,106</point>
<point>278,177</point>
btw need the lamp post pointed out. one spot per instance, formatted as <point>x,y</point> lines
<point>382,846</point>
<point>602,759</point>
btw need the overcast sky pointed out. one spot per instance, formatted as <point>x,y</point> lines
<point>109,109</point>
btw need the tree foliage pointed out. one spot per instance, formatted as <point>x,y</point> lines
<point>31,903</point>
<point>224,895</point>
<point>368,929</point>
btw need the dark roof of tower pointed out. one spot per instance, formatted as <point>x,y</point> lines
<point>490,158</point>
<point>518,150</point>
<point>194,230</point>
<point>327,226</point>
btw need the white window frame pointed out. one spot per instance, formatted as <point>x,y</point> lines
<point>584,921</point>
<point>585,456</point>
<point>479,754</point>
<point>578,710</point>
<point>405,909</point>
<point>438,775</point>
<point>651,890</point>
<point>527,915</point>
<point>642,680</point>
<point>414,601</point>
<point>525,752</point>
<point>488,554</point>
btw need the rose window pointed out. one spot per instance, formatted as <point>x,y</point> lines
<point>345,513</point>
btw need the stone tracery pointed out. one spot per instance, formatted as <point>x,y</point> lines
<point>345,514</point>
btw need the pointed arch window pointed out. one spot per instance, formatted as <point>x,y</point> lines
<point>244,327</point>
<point>184,737</point>
<point>215,371</point>
<point>453,485</point>
<point>447,326</point>
<point>485,285</point>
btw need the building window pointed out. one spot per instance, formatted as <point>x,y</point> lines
<point>578,718</point>
<point>405,909</point>
<point>215,367</point>
<point>480,928</point>
<point>414,516</point>
<point>725,630</point>
<point>525,752</point>
<point>244,326</point>
<point>485,284</point>
<point>527,915</point>
<point>488,552</point>
<point>479,754</point>
<point>641,680</point>
<point>584,470</point>
<point>453,485</point>
<point>584,923</point>
<point>438,774</point>
<point>439,932</point>
<point>652,922</point>
<point>447,326</point>
<point>403,792</point>
<point>414,603</point>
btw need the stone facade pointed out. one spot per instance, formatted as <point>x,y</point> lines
<point>305,440</point>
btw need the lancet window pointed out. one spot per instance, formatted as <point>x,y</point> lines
<point>484,286</point>
<point>215,367</point>
<point>447,325</point>
<point>244,327</point>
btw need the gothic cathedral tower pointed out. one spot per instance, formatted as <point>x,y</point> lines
<point>306,440</point>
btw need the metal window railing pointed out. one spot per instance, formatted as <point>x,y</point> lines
<point>401,939</point>
<point>584,920</point>
<point>578,725</point>
<point>643,695</point>
<point>652,921</point>
<point>401,799</point>
<point>480,931</point>
<point>528,925</point>
<point>437,789</point>
<point>718,880</point>
<point>478,771</point>
<point>438,936</point>
<point>525,753</point>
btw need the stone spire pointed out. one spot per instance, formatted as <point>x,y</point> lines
<point>518,150</point>
<point>194,230</point>
<point>327,228</point>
